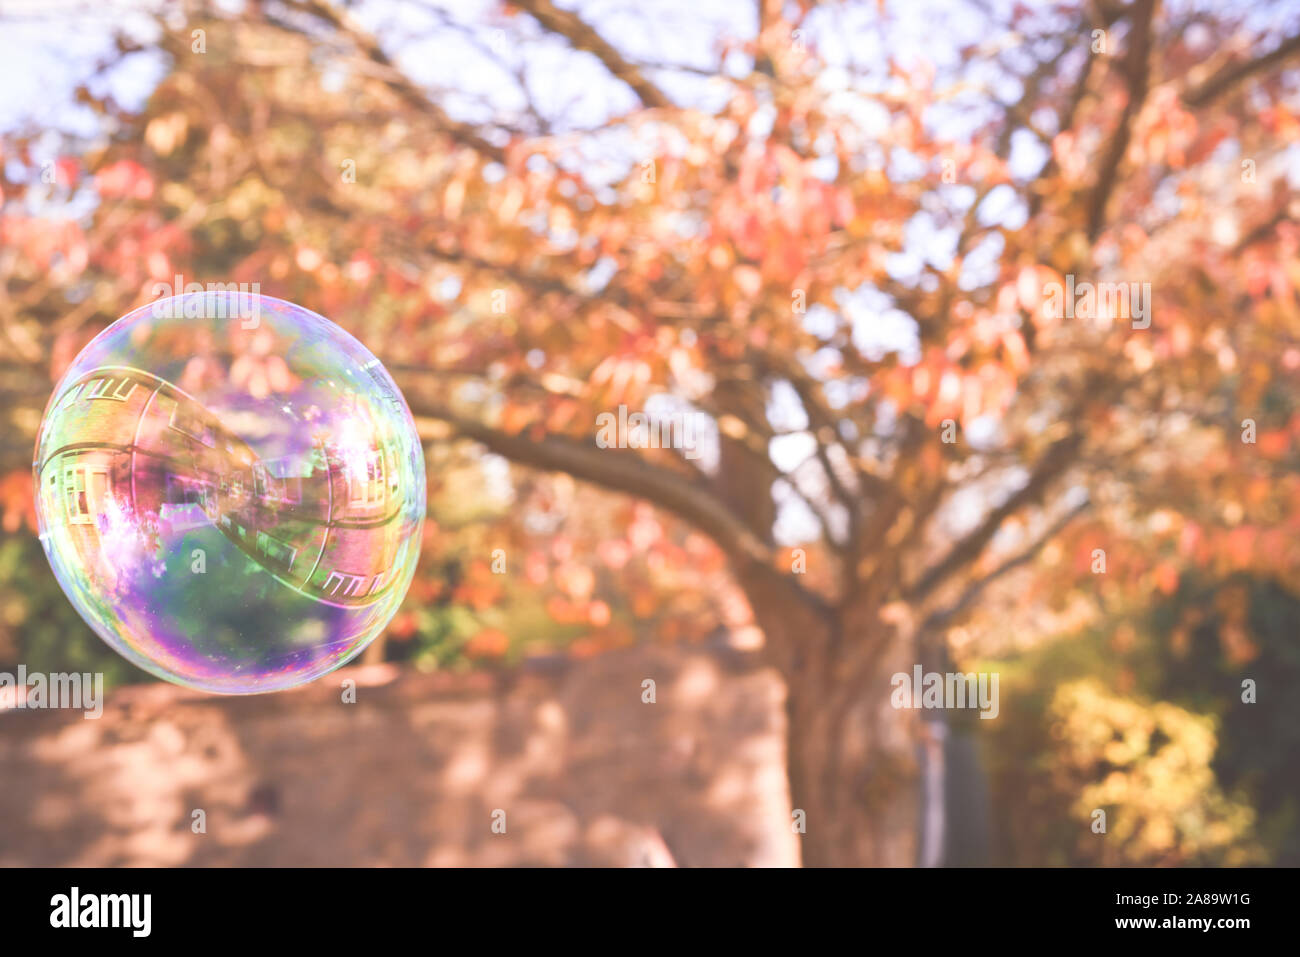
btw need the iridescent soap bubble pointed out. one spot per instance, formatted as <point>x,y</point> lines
<point>230,491</point>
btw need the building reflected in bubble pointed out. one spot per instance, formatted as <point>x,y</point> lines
<point>327,523</point>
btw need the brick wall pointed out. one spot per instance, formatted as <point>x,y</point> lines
<point>412,773</point>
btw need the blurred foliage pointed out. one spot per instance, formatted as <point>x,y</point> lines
<point>1149,764</point>
<point>1146,721</point>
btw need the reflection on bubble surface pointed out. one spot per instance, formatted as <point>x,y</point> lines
<point>232,505</point>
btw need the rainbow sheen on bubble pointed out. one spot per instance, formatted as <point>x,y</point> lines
<point>230,491</point>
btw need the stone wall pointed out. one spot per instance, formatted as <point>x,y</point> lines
<point>412,773</point>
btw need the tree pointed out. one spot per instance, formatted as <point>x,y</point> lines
<point>1085,326</point>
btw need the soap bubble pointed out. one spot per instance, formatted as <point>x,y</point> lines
<point>230,491</point>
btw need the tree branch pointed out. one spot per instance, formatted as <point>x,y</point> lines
<point>396,80</point>
<point>583,37</point>
<point>619,471</point>
<point>1055,461</point>
<point>1137,68</point>
<point>1233,73</point>
<point>941,617</point>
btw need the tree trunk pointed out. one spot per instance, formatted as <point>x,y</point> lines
<point>850,755</point>
<point>853,778</point>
